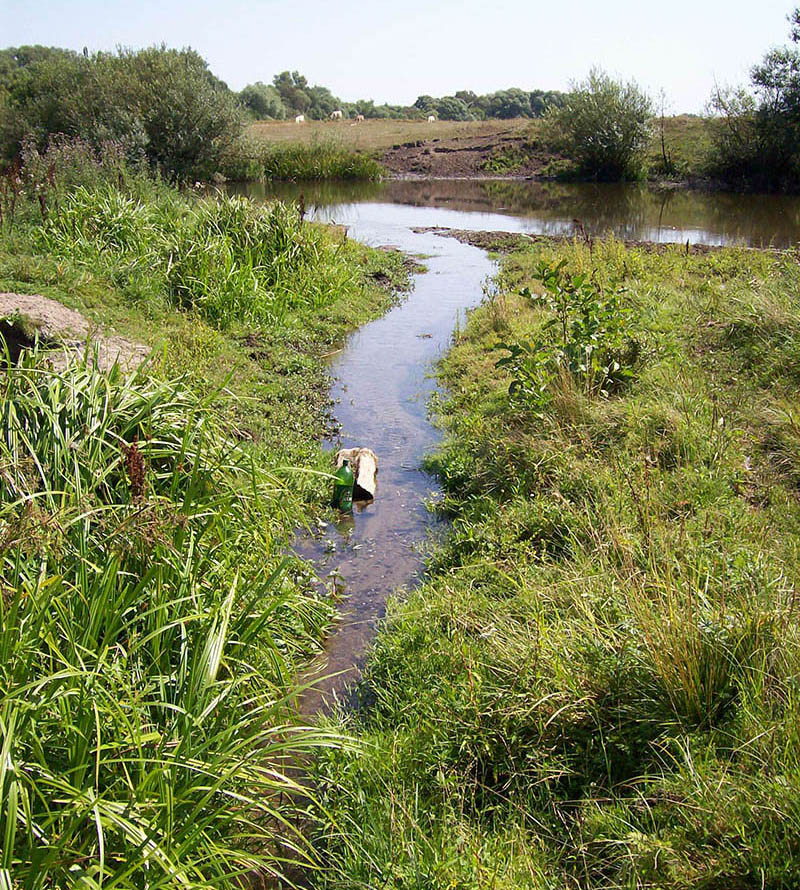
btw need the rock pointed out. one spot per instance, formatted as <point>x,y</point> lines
<point>25,318</point>
<point>364,462</point>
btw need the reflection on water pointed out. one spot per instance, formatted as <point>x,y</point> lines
<point>382,376</point>
<point>630,211</point>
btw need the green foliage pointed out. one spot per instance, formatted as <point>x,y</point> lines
<point>503,104</point>
<point>230,260</point>
<point>160,103</point>
<point>142,687</point>
<point>508,159</point>
<point>757,144</point>
<point>588,335</point>
<point>596,684</point>
<point>151,627</point>
<point>605,126</point>
<point>263,101</point>
<point>319,160</point>
<point>299,97</point>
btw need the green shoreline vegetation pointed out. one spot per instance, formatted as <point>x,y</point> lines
<point>597,684</point>
<point>152,626</point>
<point>165,106</point>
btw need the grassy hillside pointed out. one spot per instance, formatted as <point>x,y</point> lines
<point>597,687</point>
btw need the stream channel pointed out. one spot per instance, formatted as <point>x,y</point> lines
<point>382,377</point>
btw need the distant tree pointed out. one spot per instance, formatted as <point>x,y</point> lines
<point>451,109</point>
<point>426,104</point>
<point>323,102</point>
<point>262,100</point>
<point>541,100</point>
<point>510,103</point>
<point>293,90</point>
<point>605,125</point>
<point>365,107</point>
<point>15,57</point>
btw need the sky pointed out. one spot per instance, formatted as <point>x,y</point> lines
<point>396,51</point>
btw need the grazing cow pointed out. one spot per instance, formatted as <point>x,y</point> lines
<point>336,115</point>
<point>431,118</point>
<point>300,119</point>
<point>359,118</point>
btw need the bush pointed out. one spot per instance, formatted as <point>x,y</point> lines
<point>262,101</point>
<point>759,144</point>
<point>160,103</point>
<point>587,336</point>
<point>605,126</point>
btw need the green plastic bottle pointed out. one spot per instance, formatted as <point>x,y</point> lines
<point>343,488</point>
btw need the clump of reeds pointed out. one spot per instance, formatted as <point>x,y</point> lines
<point>143,659</point>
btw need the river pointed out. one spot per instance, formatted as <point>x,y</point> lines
<point>382,378</point>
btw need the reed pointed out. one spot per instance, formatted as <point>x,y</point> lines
<point>143,697</point>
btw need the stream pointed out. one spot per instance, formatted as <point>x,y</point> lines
<point>382,377</point>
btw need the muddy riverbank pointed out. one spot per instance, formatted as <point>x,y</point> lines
<point>505,242</point>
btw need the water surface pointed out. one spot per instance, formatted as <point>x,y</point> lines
<point>382,379</point>
<point>629,211</point>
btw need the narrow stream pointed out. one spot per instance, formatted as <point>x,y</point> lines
<point>382,378</point>
<point>382,384</point>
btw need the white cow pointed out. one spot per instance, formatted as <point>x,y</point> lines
<point>336,115</point>
<point>359,118</point>
<point>300,119</point>
<point>431,118</point>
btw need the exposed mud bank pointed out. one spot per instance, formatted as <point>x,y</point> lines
<point>505,242</point>
<point>469,157</point>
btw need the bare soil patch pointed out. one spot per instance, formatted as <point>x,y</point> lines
<point>469,155</point>
<point>28,318</point>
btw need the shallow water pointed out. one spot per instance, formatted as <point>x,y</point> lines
<point>382,379</point>
<point>629,211</point>
<point>382,386</point>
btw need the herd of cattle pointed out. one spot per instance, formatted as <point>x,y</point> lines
<point>338,114</point>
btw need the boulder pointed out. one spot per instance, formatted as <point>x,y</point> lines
<point>68,335</point>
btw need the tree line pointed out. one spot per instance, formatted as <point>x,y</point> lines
<point>165,107</point>
<point>290,94</point>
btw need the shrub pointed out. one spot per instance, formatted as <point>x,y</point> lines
<point>160,103</point>
<point>759,143</point>
<point>605,126</point>
<point>587,335</point>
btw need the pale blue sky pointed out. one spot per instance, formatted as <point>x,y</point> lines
<point>393,51</point>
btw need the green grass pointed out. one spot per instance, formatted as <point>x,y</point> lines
<point>320,159</point>
<point>151,625</point>
<point>296,148</point>
<point>597,684</point>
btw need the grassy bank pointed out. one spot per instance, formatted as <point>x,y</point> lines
<point>506,147</point>
<point>151,624</point>
<point>597,685</point>
<point>375,136</point>
<point>323,158</point>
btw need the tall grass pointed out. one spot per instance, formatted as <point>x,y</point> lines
<point>321,159</point>
<point>597,685</point>
<point>225,257</point>
<point>143,718</point>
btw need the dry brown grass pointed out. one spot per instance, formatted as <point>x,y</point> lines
<point>378,135</point>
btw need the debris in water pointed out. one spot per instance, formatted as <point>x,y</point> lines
<point>365,469</point>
